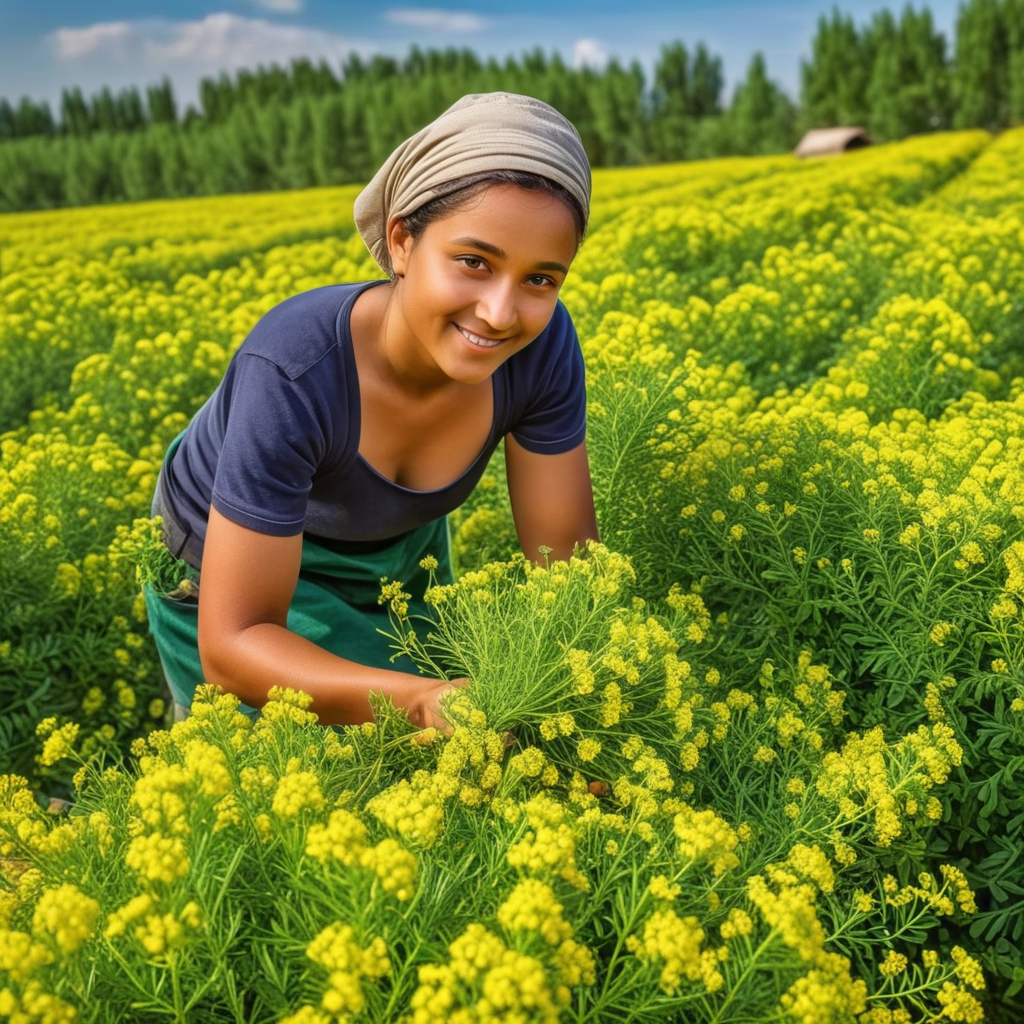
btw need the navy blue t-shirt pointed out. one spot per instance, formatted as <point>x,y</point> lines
<point>276,446</point>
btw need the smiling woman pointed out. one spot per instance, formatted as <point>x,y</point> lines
<point>355,417</point>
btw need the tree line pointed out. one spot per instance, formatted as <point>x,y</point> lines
<point>307,124</point>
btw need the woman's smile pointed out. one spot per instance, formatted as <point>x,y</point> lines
<point>476,340</point>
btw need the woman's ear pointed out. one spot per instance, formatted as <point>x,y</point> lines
<point>400,244</point>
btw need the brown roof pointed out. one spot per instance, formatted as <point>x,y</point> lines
<point>822,141</point>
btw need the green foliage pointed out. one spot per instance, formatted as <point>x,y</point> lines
<point>560,868</point>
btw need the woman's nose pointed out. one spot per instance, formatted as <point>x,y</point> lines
<point>496,306</point>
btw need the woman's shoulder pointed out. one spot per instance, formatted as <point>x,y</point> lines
<point>299,332</point>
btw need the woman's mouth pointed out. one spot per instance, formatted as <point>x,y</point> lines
<point>477,340</point>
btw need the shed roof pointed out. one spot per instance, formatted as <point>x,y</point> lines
<point>823,141</point>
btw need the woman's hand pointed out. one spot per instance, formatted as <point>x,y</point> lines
<point>425,708</point>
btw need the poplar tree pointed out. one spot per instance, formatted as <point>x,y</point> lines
<point>704,98</point>
<point>762,118</point>
<point>909,89</point>
<point>297,155</point>
<point>836,77</point>
<point>7,125</point>
<point>141,168</point>
<point>74,113</point>
<point>163,108</point>
<point>103,113</point>
<point>670,104</point>
<point>131,114</point>
<point>1013,15</point>
<point>980,79</point>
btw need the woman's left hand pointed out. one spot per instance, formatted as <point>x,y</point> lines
<point>425,709</point>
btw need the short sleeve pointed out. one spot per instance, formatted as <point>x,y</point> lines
<point>273,442</point>
<point>554,415</point>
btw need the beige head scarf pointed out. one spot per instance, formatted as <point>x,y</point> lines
<point>494,131</point>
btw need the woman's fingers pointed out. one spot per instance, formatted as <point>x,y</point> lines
<point>430,713</point>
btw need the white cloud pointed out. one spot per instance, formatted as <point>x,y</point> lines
<point>136,52</point>
<point>110,36</point>
<point>280,6</point>
<point>432,19</point>
<point>590,53</point>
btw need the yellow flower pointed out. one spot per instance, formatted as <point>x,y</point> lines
<point>532,906</point>
<point>158,858</point>
<point>894,963</point>
<point>67,914</point>
<point>60,743</point>
<point>675,942</point>
<point>297,792</point>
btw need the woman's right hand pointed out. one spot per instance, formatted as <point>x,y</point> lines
<point>425,709</point>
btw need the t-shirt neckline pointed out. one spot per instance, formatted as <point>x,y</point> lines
<point>356,403</point>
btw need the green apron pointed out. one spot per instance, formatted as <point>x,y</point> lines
<point>335,604</point>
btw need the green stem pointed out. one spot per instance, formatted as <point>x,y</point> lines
<point>747,971</point>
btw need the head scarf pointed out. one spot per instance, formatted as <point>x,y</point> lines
<point>494,131</point>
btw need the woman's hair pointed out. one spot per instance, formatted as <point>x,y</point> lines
<point>482,140</point>
<point>462,191</point>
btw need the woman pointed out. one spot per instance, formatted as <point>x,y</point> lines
<point>355,417</point>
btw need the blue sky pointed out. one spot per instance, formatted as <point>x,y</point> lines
<point>47,45</point>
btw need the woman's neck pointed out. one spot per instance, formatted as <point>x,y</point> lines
<point>389,350</point>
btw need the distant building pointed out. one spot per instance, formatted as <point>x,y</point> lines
<point>828,141</point>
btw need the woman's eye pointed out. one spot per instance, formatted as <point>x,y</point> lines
<point>539,280</point>
<point>472,262</point>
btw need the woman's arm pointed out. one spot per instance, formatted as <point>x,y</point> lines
<point>248,581</point>
<point>552,499</point>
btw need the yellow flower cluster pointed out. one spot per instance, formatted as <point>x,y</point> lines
<point>348,963</point>
<point>548,847</point>
<point>67,914</point>
<point>868,779</point>
<point>675,943</point>
<point>506,982</point>
<point>343,839</point>
<point>704,836</point>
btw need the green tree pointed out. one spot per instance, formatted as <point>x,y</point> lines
<point>217,98</point>
<point>92,169</point>
<point>103,112</point>
<point>762,118</point>
<point>163,108</point>
<point>272,125</point>
<point>1013,15</point>
<point>74,113</point>
<point>670,104</point>
<point>836,77</point>
<point>980,72</point>
<point>141,168</point>
<point>705,95</point>
<point>617,101</point>
<point>175,172</point>
<point>31,174</point>
<point>131,114</point>
<point>8,129</point>
<point>32,118</point>
<point>239,138</point>
<point>297,156</point>
<point>909,86</point>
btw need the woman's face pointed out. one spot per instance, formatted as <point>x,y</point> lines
<point>481,283</point>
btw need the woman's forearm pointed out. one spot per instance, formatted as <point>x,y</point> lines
<point>266,655</point>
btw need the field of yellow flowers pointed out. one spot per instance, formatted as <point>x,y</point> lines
<point>757,757</point>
